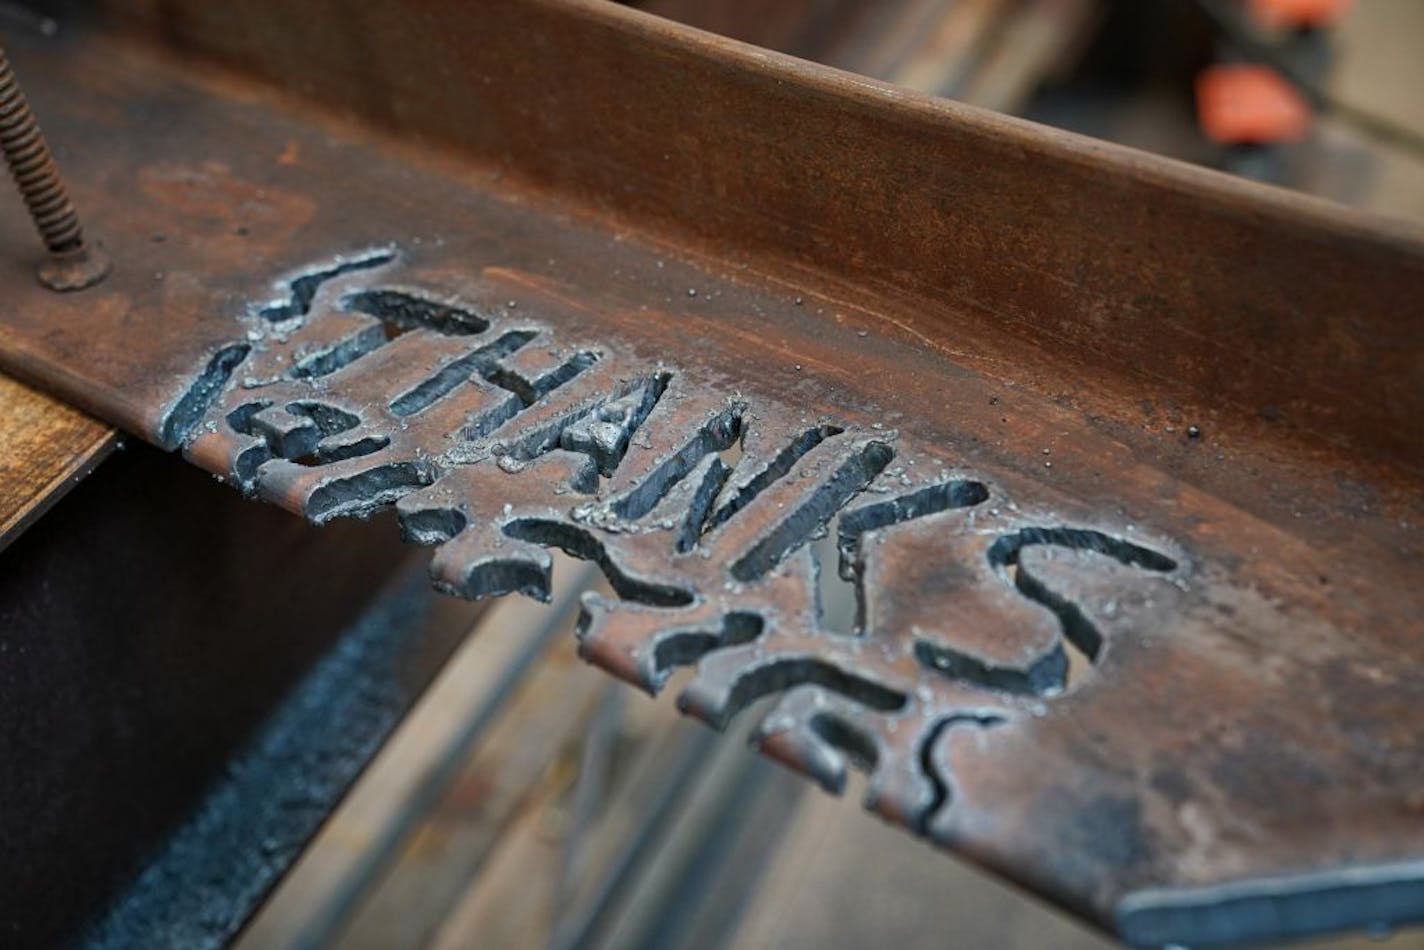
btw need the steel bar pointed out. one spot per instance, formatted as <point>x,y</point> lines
<point>141,659</point>
<point>1123,458</point>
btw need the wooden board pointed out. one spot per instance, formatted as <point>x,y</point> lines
<point>45,449</point>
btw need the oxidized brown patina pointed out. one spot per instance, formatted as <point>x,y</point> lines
<point>685,323</point>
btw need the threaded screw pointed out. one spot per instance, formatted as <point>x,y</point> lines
<point>72,264</point>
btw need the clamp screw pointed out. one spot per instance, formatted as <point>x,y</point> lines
<point>72,264</point>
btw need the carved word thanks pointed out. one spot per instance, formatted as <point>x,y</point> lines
<point>495,438</point>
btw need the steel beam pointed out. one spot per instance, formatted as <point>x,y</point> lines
<point>1122,456</point>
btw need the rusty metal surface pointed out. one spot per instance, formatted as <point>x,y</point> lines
<point>1166,681</point>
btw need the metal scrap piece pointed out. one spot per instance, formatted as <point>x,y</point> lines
<point>493,462</point>
<point>1110,679</point>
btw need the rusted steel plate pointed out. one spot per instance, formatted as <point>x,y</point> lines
<point>1168,681</point>
<point>1082,266</point>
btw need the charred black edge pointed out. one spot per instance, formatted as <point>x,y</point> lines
<point>1045,676</point>
<point>716,435</point>
<point>531,390</point>
<point>302,288</point>
<point>608,457</point>
<point>1073,623</point>
<point>774,471</point>
<point>1005,550</point>
<point>849,480</point>
<point>190,409</point>
<point>785,673</point>
<point>365,493</point>
<point>412,310</point>
<point>483,361</point>
<point>325,360</point>
<point>941,790</point>
<point>857,745</point>
<point>684,646</point>
<point>699,505</point>
<point>580,543</point>
<point>543,437</point>
<point>921,503</point>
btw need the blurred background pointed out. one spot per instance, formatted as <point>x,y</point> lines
<point>1318,95</point>
<point>531,801</point>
